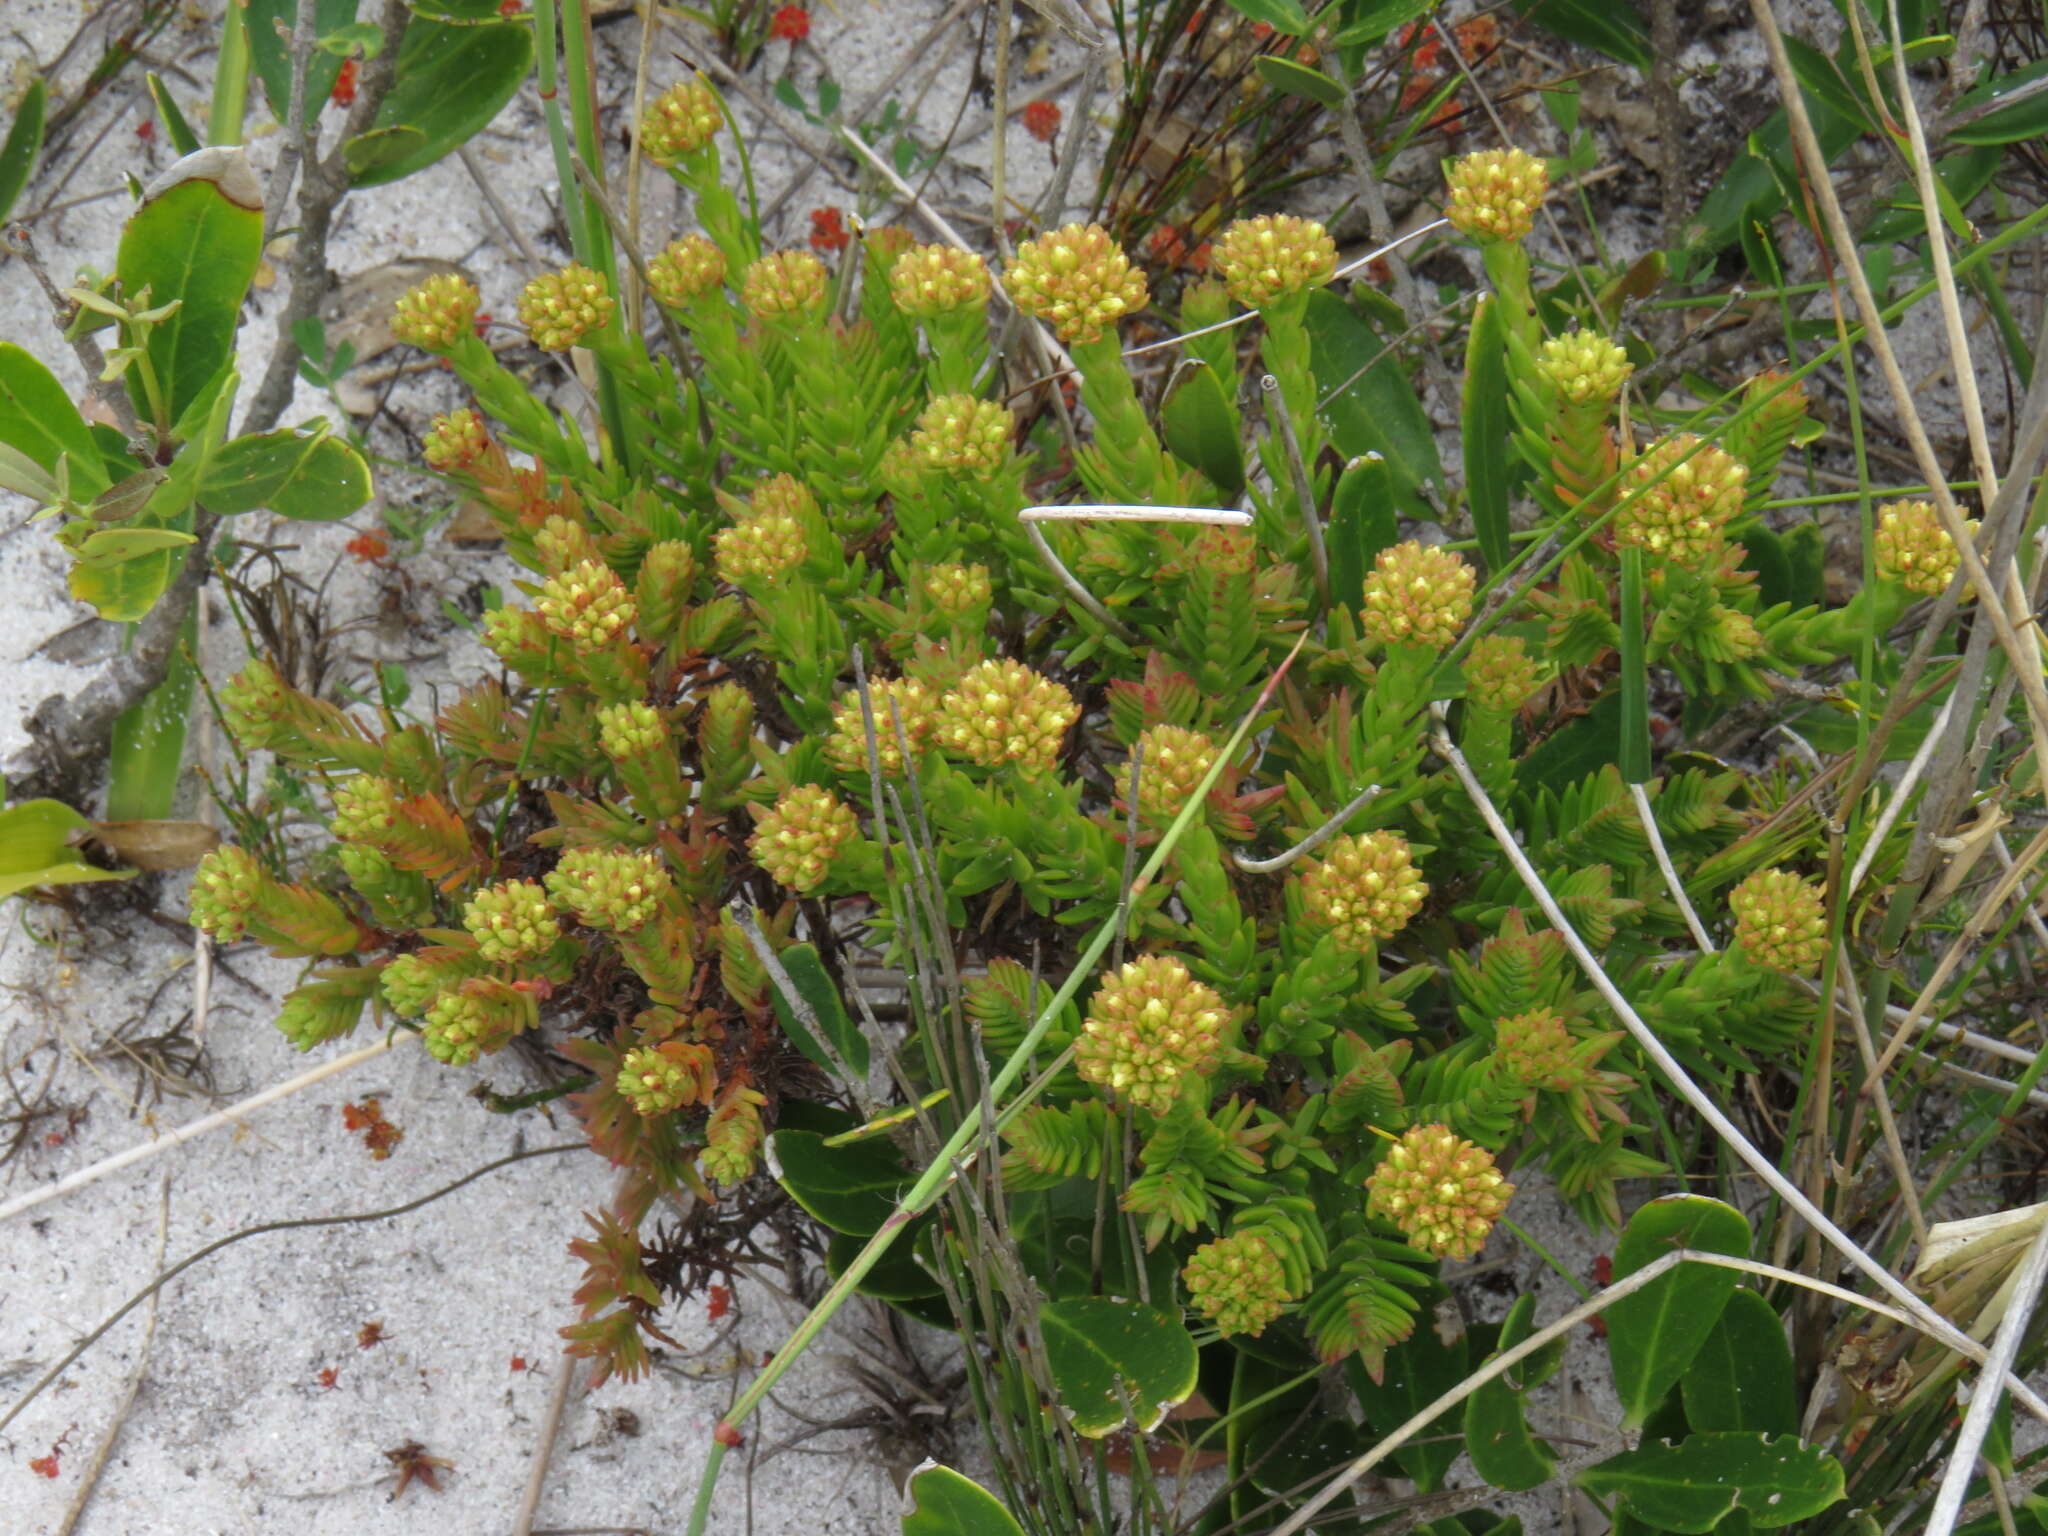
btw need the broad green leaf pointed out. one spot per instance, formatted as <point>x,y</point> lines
<point>381,148</point>
<point>850,1189</point>
<point>310,476</point>
<point>1375,408</point>
<point>149,741</point>
<point>815,985</point>
<point>897,1276</point>
<point>179,132</point>
<point>1200,429</point>
<point>1372,20</point>
<point>1281,15</point>
<point>1742,1378</point>
<point>270,29</point>
<point>24,145</point>
<point>1612,27</point>
<point>2025,119</point>
<point>452,80</point>
<point>38,420</point>
<point>1485,432</point>
<point>1362,523</point>
<point>1417,1372</point>
<point>1653,1334</point>
<point>35,848</point>
<point>124,592</point>
<point>1115,1362</point>
<point>1292,79</point>
<point>1497,1435</point>
<point>943,1503</point>
<point>197,239</point>
<point>117,546</point>
<point>1821,77</point>
<point>1692,1486</point>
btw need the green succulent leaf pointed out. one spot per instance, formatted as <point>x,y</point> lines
<point>1692,1486</point>
<point>1116,1362</point>
<point>943,1503</point>
<point>1654,1334</point>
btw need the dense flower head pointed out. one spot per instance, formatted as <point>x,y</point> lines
<point>1150,1025</point>
<point>904,700</point>
<point>559,309</point>
<point>733,1136</point>
<point>511,921</point>
<point>587,607</point>
<point>1003,712</point>
<point>1777,403</point>
<point>365,808</point>
<point>1538,1049</point>
<point>1417,594</point>
<point>1500,674</point>
<point>681,121</point>
<point>656,1079</point>
<point>783,493</point>
<point>1494,193</point>
<point>474,1019</point>
<point>456,441</point>
<point>1274,256</point>
<point>1587,367</point>
<point>1781,921</point>
<point>1364,888</point>
<point>254,703</point>
<point>1684,509</point>
<point>629,730</point>
<point>1077,280</point>
<point>791,23</point>
<point>938,280</point>
<point>561,544</point>
<point>411,982</point>
<point>685,271</point>
<point>797,841</point>
<point>1171,763</point>
<point>959,432</point>
<point>1442,1191</point>
<point>761,547</point>
<point>784,283</point>
<point>609,888</point>
<point>1237,1282</point>
<point>1042,120</point>
<point>224,892</point>
<point>438,313</point>
<point>887,244</point>
<point>958,590</point>
<point>1914,550</point>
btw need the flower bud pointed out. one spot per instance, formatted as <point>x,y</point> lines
<point>904,700</point>
<point>1494,193</point>
<point>1913,550</point>
<point>657,1079</point>
<point>1237,1282</point>
<point>1273,257</point>
<point>958,591</point>
<point>365,809</point>
<point>511,922</point>
<point>609,888</point>
<point>1077,280</point>
<point>1417,594</point>
<point>797,841</point>
<point>412,981</point>
<point>929,280</point>
<point>1364,889</point>
<point>682,120</point>
<point>559,309</point>
<point>1587,367</point>
<point>1684,509</point>
<point>1171,762</point>
<point>784,283</point>
<point>1500,674</point>
<point>1538,1050</point>
<point>1442,1191</point>
<point>456,441</point>
<point>476,1018</point>
<point>225,891</point>
<point>438,313</point>
<point>560,545</point>
<point>1003,712</point>
<point>1149,1026</point>
<point>586,607</point>
<point>1781,922</point>
<point>733,1136</point>
<point>961,433</point>
<point>685,271</point>
<point>761,548</point>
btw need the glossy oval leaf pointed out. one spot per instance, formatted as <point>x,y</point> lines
<point>1691,1487</point>
<point>850,1189</point>
<point>309,476</point>
<point>1281,15</point>
<point>943,1503</point>
<point>1484,428</point>
<point>1497,1434</point>
<point>125,590</point>
<point>270,28</point>
<point>1743,1378</point>
<point>197,239</point>
<point>816,988</point>
<point>1375,408</point>
<point>147,752</point>
<point>452,80</point>
<point>37,419</point>
<point>1417,1371</point>
<point>1116,1362</point>
<point>36,849</point>
<point>1201,430</point>
<point>1362,523</point>
<point>117,546</point>
<point>1292,79</point>
<point>24,145</point>
<point>1653,1334</point>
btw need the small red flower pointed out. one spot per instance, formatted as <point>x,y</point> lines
<point>1477,37</point>
<point>519,1362</point>
<point>370,1336</point>
<point>511,8</point>
<point>1603,1270</point>
<point>482,324</point>
<point>44,1466</point>
<point>828,231</point>
<point>1449,117</point>
<point>1262,30</point>
<point>368,547</point>
<point>792,24</point>
<point>1042,121</point>
<point>146,130</point>
<point>721,1303</point>
<point>329,1379</point>
<point>344,92</point>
